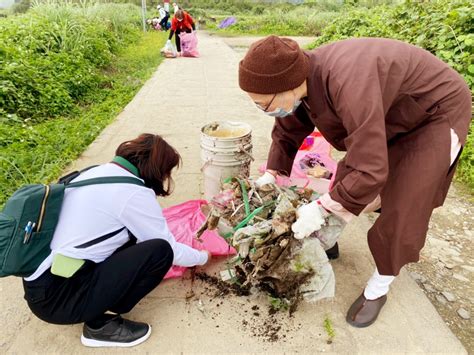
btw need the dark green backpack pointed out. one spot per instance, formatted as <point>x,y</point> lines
<point>29,218</point>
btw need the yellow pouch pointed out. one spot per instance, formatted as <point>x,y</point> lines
<point>65,266</point>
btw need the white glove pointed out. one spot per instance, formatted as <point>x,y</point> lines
<point>310,218</point>
<point>267,178</point>
<point>313,218</point>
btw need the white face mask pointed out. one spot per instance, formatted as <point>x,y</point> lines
<point>279,112</point>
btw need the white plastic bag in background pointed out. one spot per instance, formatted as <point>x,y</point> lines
<point>169,50</point>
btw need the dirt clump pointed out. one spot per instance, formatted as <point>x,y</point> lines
<point>222,288</point>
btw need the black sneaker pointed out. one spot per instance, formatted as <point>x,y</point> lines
<point>333,253</point>
<point>116,332</point>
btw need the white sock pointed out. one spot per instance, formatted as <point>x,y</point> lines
<point>377,286</point>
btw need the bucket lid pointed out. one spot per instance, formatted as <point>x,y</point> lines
<point>226,129</point>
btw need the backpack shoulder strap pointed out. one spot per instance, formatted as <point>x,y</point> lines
<point>107,180</point>
<point>72,175</point>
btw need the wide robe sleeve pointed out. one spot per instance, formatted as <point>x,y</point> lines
<point>287,135</point>
<point>357,99</point>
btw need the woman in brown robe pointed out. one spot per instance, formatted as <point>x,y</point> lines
<point>401,114</point>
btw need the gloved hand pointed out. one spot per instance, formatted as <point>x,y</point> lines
<point>310,218</point>
<point>314,218</point>
<point>267,178</point>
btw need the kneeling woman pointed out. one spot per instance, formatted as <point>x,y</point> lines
<point>119,235</point>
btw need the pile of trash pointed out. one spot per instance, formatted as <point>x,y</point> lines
<point>257,222</point>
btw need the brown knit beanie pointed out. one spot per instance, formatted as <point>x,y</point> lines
<point>273,65</point>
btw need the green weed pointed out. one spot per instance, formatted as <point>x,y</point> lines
<point>329,330</point>
<point>278,304</point>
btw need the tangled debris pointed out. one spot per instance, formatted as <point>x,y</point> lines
<point>257,222</point>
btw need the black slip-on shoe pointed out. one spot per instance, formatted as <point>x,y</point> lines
<point>333,253</point>
<point>117,332</point>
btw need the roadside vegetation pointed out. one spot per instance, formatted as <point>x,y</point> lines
<point>66,71</point>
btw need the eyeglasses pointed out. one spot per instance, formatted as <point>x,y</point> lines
<point>268,106</point>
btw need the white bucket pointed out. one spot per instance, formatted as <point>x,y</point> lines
<point>226,151</point>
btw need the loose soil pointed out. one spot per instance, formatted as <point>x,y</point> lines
<point>268,325</point>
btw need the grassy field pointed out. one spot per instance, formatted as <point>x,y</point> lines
<point>37,148</point>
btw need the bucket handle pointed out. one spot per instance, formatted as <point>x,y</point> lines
<point>206,164</point>
<point>242,150</point>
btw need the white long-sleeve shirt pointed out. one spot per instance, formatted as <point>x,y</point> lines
<point>162,13</point>
<point>91,212</point>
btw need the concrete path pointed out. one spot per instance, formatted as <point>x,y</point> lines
<point>182,96</point>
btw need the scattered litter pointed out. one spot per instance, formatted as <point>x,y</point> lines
<point>312,164</point>
<point>200,306</point>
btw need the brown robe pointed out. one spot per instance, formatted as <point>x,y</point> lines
<point>390,105</point>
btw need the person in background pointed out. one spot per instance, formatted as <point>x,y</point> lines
<point>401,114</point>
<point>164,16</point>
<point>166,4</point>
<point>119,234</point>
<point>181,22</point>
<point>176,8</point>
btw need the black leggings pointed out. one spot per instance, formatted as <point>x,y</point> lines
<point>164,22</point>
<point>178,40</point>
<point>117,284</point>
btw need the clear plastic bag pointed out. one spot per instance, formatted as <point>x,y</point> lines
<point>169,50</point>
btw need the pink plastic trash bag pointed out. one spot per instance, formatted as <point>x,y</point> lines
<point>189,44</point>
<point>313,144</point>
<point>183,221</point>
